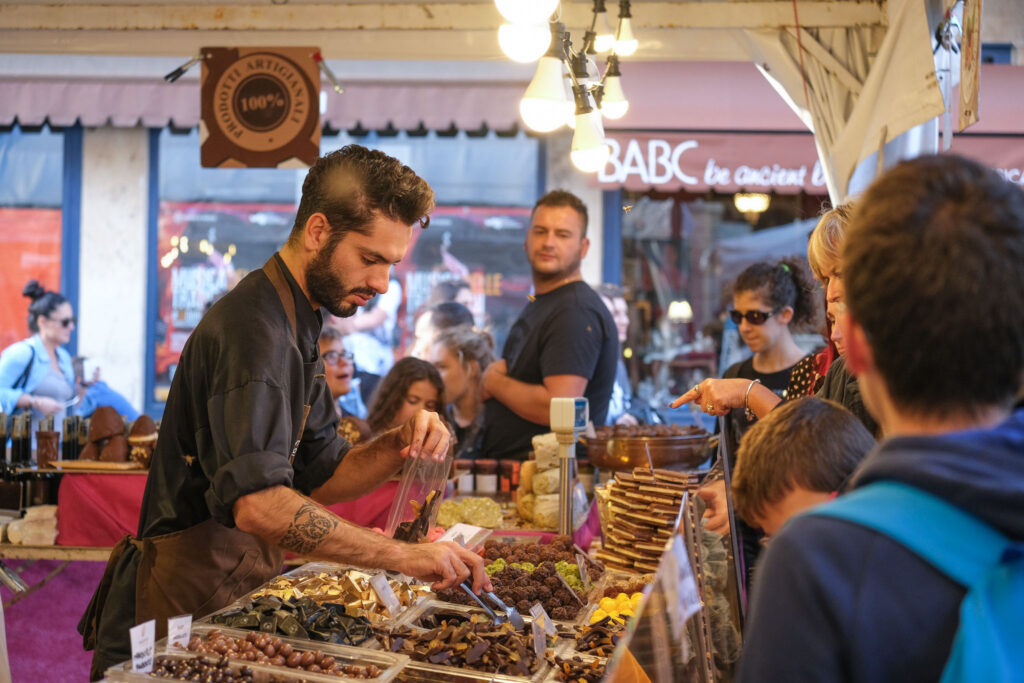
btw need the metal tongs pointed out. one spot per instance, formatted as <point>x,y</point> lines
<point>511,613</point>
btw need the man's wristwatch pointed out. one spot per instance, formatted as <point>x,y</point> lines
<point>747,412</point>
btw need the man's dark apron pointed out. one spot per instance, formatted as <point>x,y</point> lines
<point>197,570</point>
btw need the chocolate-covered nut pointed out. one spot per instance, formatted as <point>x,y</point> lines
<point>294,659</point>
<point>314,669</point>
<point>286,649</point>
<point>327,662</point>
<point>270,650</point>
<point>277,660</point>
<point>307,659</point>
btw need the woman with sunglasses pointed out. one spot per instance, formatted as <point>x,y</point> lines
<point>36,373</point>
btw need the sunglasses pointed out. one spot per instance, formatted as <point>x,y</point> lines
<point>66,322</point>
<point>332,357</point>
<point>753,317</point>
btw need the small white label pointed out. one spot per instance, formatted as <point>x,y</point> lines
<point>581,564</point>
<point>540,616</point>
<point>178,631</point>
<point>380,585</point>
<point>472,536</point>
<point>540,641</point>
<point>143,643</point>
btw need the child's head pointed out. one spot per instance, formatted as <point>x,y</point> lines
<point>797,456</point>
<point>411,384</point>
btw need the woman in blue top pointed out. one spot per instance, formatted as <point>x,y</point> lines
<point>37,372</point>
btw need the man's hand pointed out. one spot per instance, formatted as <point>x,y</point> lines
<point>446,564</point>
<point>494,372</point>
<point>716,515</point>
<point>425,435</point>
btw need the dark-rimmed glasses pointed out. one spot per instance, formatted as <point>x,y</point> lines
<point>65,322</point>
<point>332,357</point>
<point>753,317</point>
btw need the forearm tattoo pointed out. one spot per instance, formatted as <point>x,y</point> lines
<point>311,525</point>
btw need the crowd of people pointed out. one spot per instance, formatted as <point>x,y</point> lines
<point>912,395</point>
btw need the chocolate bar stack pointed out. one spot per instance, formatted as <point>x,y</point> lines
<point>644,507</point>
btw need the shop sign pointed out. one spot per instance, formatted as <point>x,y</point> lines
<point>260,107</point>
<point>785,163</point>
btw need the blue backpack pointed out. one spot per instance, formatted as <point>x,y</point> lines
<point>989,643</point>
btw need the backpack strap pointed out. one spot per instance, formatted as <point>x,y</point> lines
<point>23,378</point>
<point>951,540</point>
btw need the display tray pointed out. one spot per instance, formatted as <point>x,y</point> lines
<point>422,615</point>
<point>261,673</point>
<point>389,664</point>
<point>624,453</point>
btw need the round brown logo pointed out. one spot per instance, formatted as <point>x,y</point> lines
<point>262,101</point>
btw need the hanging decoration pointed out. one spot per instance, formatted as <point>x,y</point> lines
<point>260,107</point>
<point>568,88</point>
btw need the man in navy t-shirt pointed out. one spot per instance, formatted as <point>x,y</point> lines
<point>563,344</point>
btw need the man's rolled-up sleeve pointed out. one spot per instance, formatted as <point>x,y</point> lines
<point>250,433</point>
<point>321,449</point>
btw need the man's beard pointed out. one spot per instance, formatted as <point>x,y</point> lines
<point>328,289</point>
<point>559,275</point>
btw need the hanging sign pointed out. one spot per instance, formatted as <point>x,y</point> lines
<point>970,63</point>
<point>260,107</point>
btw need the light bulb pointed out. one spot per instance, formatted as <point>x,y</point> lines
<point>625,42</point>
<point>605,35</point>
<point>524,42</point>
<point>614,104</point>
<point>570,104</point>
<point>589,152</point>
<point>543,106</point>
<point>526,11</point>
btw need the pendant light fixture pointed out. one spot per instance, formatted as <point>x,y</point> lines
<point>604,35</point>
<point>614,104</point>
<point>544,105</point>
<point>589,151</point>
<point>625,42</point>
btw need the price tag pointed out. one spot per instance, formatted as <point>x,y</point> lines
<point>569,588</point>
<point>472,536</point>
<point>178,631</point>
<point>540,616</point>
<point>143,643</point>
<point>380,585</point>
<point>540,641</point>
<point>581,564</point>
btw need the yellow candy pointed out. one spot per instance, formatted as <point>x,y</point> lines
<point>607,604</point>
<point>626,612</point>
<point>597,616</point>
<point>634,601</point>
<point>621,596</point>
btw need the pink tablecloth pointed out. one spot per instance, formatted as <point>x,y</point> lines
<point>98,509</point>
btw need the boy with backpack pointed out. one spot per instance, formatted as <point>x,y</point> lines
<point>917,574</point>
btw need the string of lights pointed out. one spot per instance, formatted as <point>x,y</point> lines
<point>567,87</point>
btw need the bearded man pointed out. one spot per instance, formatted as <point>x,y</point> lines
<point>248,452</point>
<point>564,343</point>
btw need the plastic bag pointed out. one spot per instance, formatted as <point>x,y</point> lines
<point>414,509</point>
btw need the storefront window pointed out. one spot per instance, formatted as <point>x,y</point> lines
<point>31,169</point>
<point>681,252</point>
<point>216,225</point>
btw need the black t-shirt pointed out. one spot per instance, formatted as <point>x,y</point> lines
<point>235,404</point>
<point>567,331</point>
